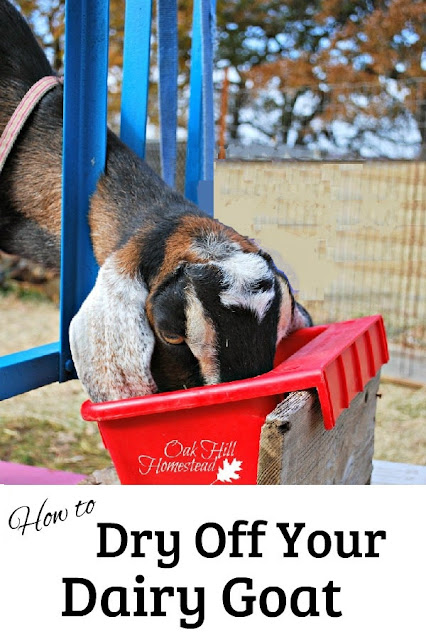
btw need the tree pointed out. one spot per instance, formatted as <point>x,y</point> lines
<point>311,63</point>
<point>301,67</point>
<point>253,35</point>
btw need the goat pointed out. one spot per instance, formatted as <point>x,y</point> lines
<point>181,300</point>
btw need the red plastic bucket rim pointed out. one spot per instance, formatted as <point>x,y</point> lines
<point>301,369</point>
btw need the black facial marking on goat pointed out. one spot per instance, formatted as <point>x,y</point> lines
<point>262,286</point>
<point>245,344</point>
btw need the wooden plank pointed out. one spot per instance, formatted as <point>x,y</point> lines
<point>390,473</point>
<point>296,449</point>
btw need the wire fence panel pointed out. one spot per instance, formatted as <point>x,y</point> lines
<point>350,236</point>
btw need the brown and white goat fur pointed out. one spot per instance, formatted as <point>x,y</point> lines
<point>181,300</point>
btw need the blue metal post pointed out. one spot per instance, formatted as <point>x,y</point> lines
<point>85,115</point>
<point>168,76</point>
<point>26,370</point>
<point>135,87</point>
<point>194,150</point>
<point>200,147</point>
<point>208,19</point>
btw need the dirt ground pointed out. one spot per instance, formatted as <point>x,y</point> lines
<point>44,427</point>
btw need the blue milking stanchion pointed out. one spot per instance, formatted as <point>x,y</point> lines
<point>135,86</point>
<point>168,75</point>
<point>200,147</point>
<point>85,111</point>
<point>85,117</point>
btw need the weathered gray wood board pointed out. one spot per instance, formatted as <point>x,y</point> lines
<point>390,473</point>
<point>296,449</point>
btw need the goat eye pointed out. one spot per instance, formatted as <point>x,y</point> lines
<point>173,339</point>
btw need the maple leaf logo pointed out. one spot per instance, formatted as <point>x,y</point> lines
<point>228,471</point>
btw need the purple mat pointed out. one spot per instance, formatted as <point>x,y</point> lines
<point>20,475</point>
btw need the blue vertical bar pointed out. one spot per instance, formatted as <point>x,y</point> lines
<point>208,19</point>
<point>195,132</point>
<point>136,58</point>
<point>200,147</point>
<point>168,74</point>
<point>84,153</point>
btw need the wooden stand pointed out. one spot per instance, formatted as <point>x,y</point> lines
<point>296,449</point>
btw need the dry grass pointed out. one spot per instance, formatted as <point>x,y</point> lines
<point>400,434</point>
<point>44,427</point>
<point>26,321</point>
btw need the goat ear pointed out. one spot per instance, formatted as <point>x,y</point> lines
<point>111,339</point>
<point>292,314</point>
<point>301,317</point>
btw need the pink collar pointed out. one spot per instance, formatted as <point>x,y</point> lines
<point>21,114</point>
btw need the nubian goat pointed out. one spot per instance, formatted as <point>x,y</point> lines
<point>181,300</point>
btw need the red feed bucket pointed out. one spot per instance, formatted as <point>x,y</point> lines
<point>211,435</point>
